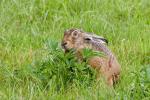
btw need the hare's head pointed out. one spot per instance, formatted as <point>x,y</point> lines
<point>77,39</point>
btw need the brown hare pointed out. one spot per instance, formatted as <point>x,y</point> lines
<point>107,65</point>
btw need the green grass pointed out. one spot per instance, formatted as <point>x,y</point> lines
<point>33,66</point>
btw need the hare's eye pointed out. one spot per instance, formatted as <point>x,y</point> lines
<point>75,34</point>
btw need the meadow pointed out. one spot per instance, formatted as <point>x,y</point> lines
<point>33,65</point>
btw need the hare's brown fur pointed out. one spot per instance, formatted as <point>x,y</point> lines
<point>108,66</point>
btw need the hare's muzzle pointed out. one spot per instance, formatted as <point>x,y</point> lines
<point>64,45</point>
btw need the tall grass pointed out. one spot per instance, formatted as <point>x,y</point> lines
<point>33,66</point>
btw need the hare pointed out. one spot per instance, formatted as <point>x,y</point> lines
<point>108,65</point>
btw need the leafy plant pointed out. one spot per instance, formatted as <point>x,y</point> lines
<point>65,68</point>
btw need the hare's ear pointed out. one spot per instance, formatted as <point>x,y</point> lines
<point>88,39</point>
<point>100,39</point>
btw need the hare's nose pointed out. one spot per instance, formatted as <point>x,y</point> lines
<point>64,43</point>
